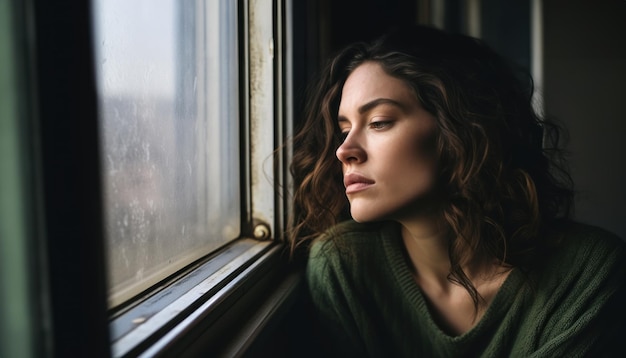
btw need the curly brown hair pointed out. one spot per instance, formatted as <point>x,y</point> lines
<point>502,175</point>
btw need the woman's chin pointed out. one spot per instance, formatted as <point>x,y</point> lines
<point>362,218</point>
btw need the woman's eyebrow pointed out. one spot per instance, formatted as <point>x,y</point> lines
<point>380,101</point>
<point>373,104</point>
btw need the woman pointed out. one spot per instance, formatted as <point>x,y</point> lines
<point>460,242</point>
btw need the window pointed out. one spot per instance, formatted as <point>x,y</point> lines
<point>188,126</point>
<point>167,75</point>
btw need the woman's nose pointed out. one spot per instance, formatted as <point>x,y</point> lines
<point>351,150</point>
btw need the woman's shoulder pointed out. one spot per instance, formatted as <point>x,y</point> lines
<point>591,240</point>
<point>348,244</point>
<point>574,300</point>
<point>588,253</point>
<point>347,236</point>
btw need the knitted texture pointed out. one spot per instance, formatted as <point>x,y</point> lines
<point>368,303</point>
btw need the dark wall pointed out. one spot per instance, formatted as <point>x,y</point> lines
<point>584,77</point>
<point>355,20</point>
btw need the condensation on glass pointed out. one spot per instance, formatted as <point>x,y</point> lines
<point>168,98</point>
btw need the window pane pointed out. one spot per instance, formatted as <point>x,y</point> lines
<point>167,86</point>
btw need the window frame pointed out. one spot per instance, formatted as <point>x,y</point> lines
<point>226,290</point>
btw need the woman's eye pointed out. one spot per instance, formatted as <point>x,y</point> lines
<point>343,135</point>
<point>380,124</point>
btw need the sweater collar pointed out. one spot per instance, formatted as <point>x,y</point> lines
<point>397,258</point>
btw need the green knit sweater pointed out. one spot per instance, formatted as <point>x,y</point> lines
<point>368,303</point>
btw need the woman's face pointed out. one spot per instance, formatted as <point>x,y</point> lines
<point>387,156</point>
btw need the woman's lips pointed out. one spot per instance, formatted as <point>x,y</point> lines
<point>356,182</point>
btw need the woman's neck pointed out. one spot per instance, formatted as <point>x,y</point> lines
<point>427,246</point>
<point>427,243</point>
